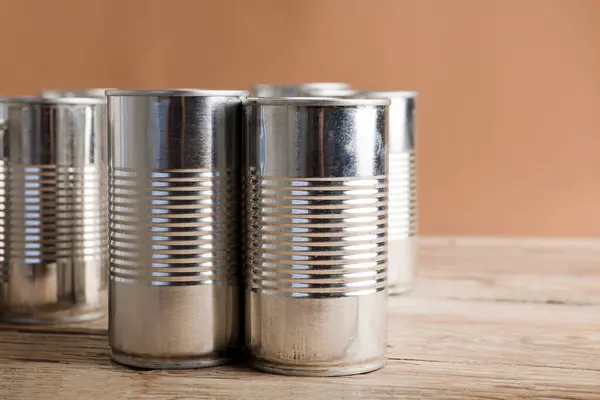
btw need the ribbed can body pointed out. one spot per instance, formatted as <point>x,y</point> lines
<point>402,234</point>
<point>54,243</point>
<point>174,228</point>
<point>315,235</point>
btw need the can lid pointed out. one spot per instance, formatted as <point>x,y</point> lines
<point>53,100</point>
<point>274,89</point>
<point>317,101</point>
<point>313,89</point>
<point>178,93</point>
<point>410,94</point>
<point>326,85</point>
<point>59,93</point>
<point>308,85</point>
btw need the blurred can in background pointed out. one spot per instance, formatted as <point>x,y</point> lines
<point>174,227</point>
<point>402,228</point>
<point>312,89</point>
<point>315,226</point>
<point>94,93</point>
<point>53,174</point>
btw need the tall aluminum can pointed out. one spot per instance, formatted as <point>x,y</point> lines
<point>316,227</point>
<point>174,171</point>
<point>53,196</point>
<point>402,234</point>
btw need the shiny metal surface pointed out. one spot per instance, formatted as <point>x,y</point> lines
<point>313,89</point>
<point>402,234</point>
<point>53,199</point>
<point>53,94</point>
<point>174,227</point>
<point>315,235</point>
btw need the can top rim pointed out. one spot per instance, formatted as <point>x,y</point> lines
<point>317,101</point>
<point>53,100</point>
<point>178,93</point>
<point>411,94</point>
<point>86,92</point>
<point>303,85</point>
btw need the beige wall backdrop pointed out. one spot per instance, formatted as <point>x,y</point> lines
<point>509,113</point>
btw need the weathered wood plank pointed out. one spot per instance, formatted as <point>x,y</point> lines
<point>96,327</point>
<point>400,379</point>
<point>449,349</point>
<point>536,270</point>
<point>472,332</point>
<point>490,319</point>
<point>526,334</point>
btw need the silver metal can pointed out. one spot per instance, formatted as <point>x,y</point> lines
<point>53,195</point>
<point>402,229</point>
<point>174,227</point>
<point>94,93</point>
<point>312,89</point>
<point>316,227</point>
<point>54,94</point>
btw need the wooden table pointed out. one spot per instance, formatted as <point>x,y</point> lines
<point>489,319</point>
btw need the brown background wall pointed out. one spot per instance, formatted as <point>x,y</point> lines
<point>509,113</point>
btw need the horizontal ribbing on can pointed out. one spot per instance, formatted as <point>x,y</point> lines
<point>173,227</point>
<point>54,213</point>
<point>402,196</point>
<point>316,237</point>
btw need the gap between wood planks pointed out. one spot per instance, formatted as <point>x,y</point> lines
<point>487,363</point>
<point>549,302</point>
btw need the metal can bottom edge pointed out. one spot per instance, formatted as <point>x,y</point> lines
<point>51,319</point>
<point>143,362</point>
<point>51,316</point>
<point>399,289</point>
<point>272,368</point>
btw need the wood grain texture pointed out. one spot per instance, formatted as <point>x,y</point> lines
<point>552,271</point>
<point>516,338</point>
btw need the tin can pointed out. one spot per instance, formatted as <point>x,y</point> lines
<point>54,238</point>
<point>402,233</point>
<point>95,92</point>
<point>312,89</point>
<point>316,226</point>
<point>174,232</point>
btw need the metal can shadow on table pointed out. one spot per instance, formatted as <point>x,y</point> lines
<point>174,227</point>
<point>402,223</point>
<point>316,227</point>
<point>53,221</point>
